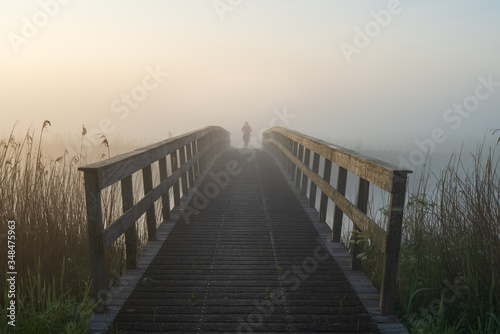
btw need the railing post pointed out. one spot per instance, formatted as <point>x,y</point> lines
<point>165,198</point>
<point>305,179</point>
<point>190,172</point>
<point>298,175</point>
<point>95,229</point>
<point>174,166</point>
<point>184,177</point>
<point>294,167</point>
<point>323,204</point>
<point>312,192</point>
<point>289,147</point>
<point>283,157</point>
<point>288,162</point>
<point>197,163</point>
<point>204,140</point>
<point>338,215</point>
<point>362,204</point>
<point>391,259</point>
<point>147,177</point>
<point>130,234</point>
<point>208,140</point>
<point>201,146</point>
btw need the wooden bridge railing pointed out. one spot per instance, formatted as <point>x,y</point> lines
<point>296,150</point>
<point>189,155</point>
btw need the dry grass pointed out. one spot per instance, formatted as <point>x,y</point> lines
<point>46,198</point>
<point>450,252</point>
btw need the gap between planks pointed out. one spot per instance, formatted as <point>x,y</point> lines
<point>364,288</point>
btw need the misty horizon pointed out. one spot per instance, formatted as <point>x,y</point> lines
<point>389,75</point>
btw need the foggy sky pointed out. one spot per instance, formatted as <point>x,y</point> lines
<point>273,62</point>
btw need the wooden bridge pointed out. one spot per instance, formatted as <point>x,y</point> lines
<point>241,247</point>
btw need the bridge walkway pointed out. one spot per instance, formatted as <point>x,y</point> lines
<point>244,258</point>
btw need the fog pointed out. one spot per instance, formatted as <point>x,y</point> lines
<point>374,75</point>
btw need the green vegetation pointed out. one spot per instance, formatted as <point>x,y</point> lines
<point>223,304</point>
<point>46,199</point>
<point>450,255</point>
<point>450,264</point>
<point>192,300</point>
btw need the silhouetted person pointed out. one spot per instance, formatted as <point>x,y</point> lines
<point>246,129</point>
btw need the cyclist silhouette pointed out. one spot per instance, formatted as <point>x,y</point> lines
<point>246,129</point>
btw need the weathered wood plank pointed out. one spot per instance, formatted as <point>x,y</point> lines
<point>182,162</point>
<point>122,223</point>
<point>226,264</point>
<point>323,204</point>
<point>165,198</point>
<point>294,168</point>
<point>394,230</point>
<point>196,166</point>
<point>313,188</point>
<point>95,229</point>
<point>147,178</point>
<point>130,233</point>
<point>372,230</point>
<point>338,215</point>
<point>358,280</point>
<point>116,168</point>
<point>373,170</point>
<point>189,155</point>
<point>287,142</point>
<point>362,204</point>
<point>174,164</point>
<point>298,177</point>
<point>305,180</point>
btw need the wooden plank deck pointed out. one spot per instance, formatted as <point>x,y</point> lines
<point>250,261</point>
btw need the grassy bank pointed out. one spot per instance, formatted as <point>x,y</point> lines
<point>449,270</point>
<point>45,198</point>
<point>450,255</point>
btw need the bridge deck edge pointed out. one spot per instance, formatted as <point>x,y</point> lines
<point>121,290</point>
<point>361,284</point>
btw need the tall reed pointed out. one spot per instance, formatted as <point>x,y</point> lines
<point>46,198</point>
<point>450,253</point>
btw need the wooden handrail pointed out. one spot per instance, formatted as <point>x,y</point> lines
<point>295,150</point>
<point>201,146</point>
